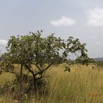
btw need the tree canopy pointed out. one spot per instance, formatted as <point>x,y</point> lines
<point>33,48</point>
<point>42,52</point>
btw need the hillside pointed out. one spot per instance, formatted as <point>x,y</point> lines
<point>98,59</point>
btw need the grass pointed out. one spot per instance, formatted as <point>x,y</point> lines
<point>82,85</point>
<point>6,77</point>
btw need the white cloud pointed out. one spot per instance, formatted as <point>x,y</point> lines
<point>3,42</point>
<point>95,17</point>
<point>64,21</point>
<point>99,43</point>
<point>94,37</point>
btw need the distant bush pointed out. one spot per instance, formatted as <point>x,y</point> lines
<point>99,64</point>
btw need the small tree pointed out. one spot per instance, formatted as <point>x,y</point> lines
<point>41,52</point>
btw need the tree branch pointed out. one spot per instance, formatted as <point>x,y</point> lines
<point>41,71</point>
<point>31,71</point>
<point>37,66</point>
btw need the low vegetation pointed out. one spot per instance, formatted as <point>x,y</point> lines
<point>82,85</point>
<point>29,61</point>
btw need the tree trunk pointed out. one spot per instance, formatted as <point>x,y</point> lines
<point>20,80</point>
<point>34,77</point>
<point>34,84</point>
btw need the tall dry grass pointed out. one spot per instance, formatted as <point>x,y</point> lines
<point>82,85</point>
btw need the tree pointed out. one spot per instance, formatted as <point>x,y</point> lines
<point>41,52</point>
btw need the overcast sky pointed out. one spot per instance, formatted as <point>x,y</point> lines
<point>81,19</point>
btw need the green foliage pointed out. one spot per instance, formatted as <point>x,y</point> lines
<point>67,68</point>
<point>33,48</point>
<point>41,52</point>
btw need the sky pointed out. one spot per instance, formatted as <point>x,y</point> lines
<point>81,19</point>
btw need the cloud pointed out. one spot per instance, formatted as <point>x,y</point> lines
<point>3,42</point>
<point>94,37</point>
<point>64,21</point>
<point>99,43</point>
<point>95,17</point>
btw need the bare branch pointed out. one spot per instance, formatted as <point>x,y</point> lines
<point>43,70</point>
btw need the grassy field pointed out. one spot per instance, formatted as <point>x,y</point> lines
<point>82,85</point>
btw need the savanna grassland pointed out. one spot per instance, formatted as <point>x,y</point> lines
<point>81,85</point>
